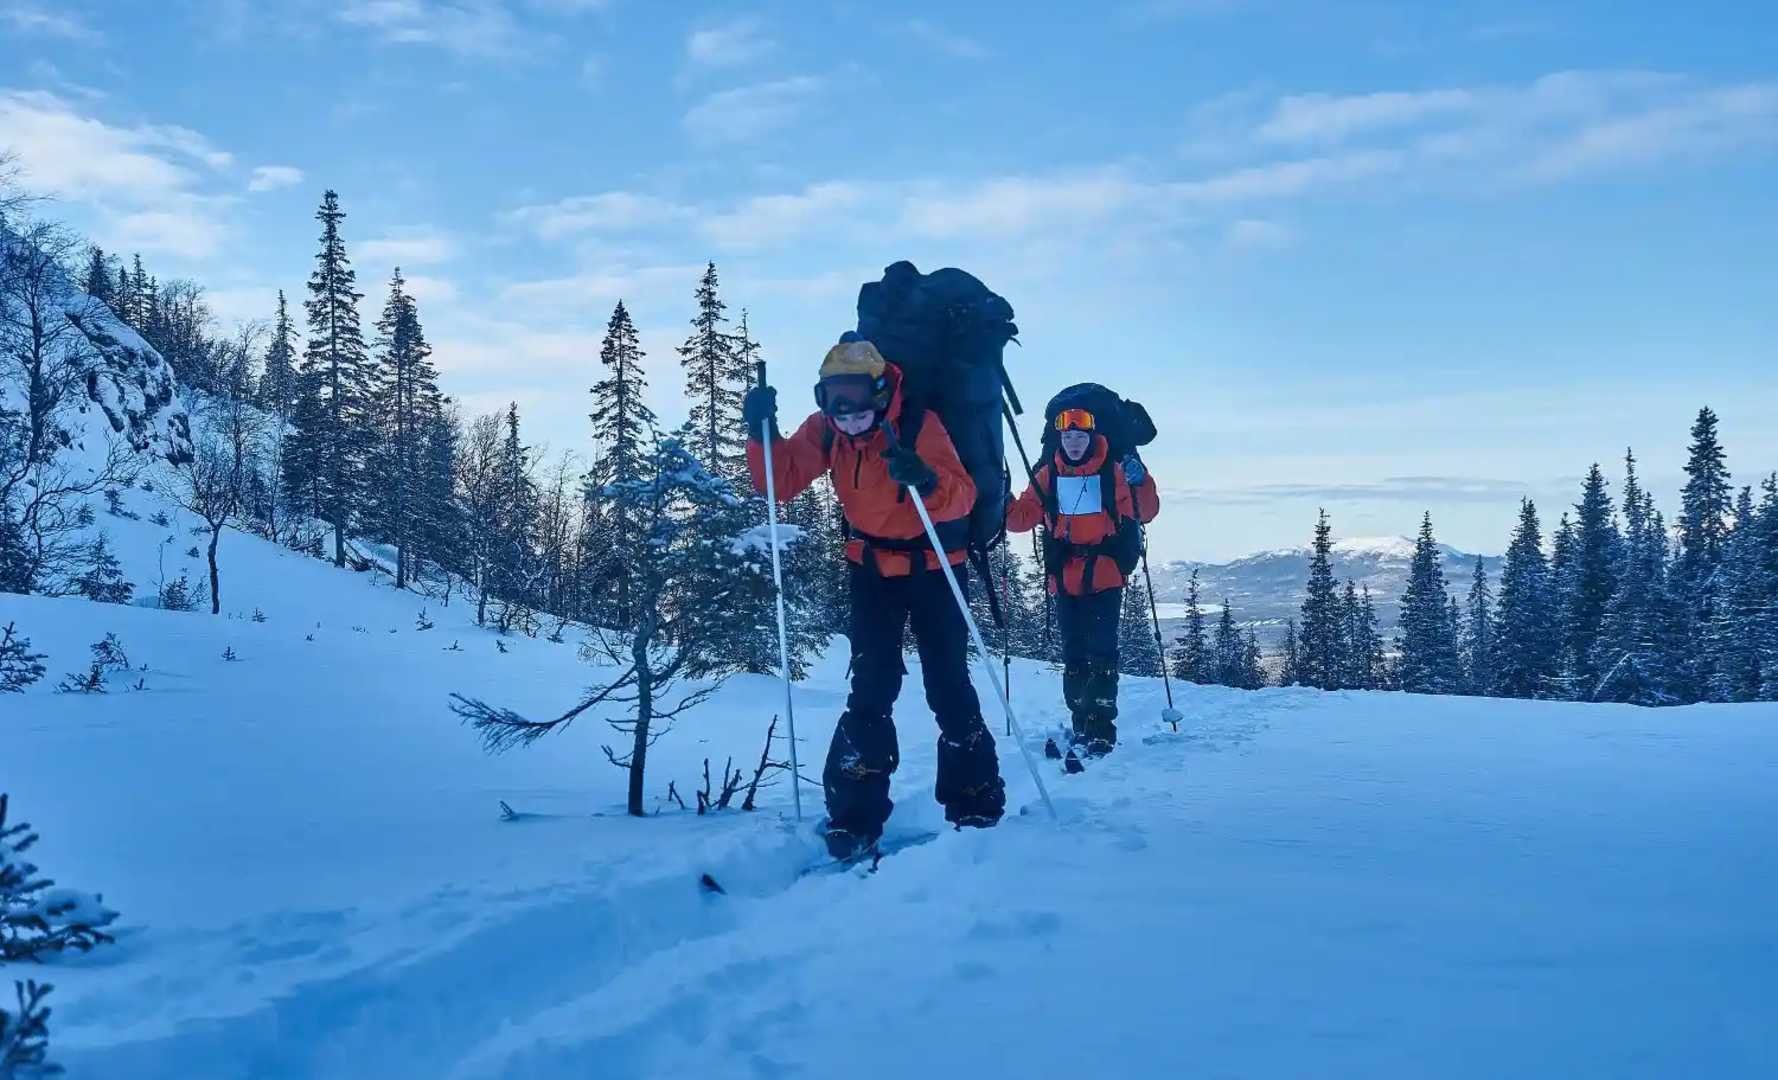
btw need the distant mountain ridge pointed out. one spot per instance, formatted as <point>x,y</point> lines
<point>1266,588</point>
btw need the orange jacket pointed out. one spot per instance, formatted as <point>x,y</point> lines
<point>875,505</point>
<point>1141,502</point>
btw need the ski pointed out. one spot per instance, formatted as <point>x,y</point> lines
<point>866,862</point>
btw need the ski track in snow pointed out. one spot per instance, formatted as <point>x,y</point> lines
<point>315,880</point>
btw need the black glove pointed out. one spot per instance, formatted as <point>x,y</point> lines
<point>760,406</point>
<point>906,467</point>
<point>1134,471</point>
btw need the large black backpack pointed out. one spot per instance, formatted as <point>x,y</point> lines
<point>1126,426</point>
<point>947,332</point>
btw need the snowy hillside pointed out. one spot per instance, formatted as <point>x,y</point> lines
<point>1267,587</point>
<point>315,880</point>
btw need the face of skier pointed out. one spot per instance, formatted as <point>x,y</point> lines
<point>1076,444</point>
<point>855,423</point>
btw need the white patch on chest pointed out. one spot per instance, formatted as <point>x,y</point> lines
<point>1079,494</point>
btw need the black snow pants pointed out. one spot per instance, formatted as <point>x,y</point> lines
<point>864,753</point>
<point>1089,626</point>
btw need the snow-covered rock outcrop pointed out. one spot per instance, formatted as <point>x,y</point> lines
<point>128,382</point>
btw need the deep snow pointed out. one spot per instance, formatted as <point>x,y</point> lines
<point>315,879</point>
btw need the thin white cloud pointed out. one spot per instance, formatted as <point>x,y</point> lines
<point>1255,234</point>
<point>1153,11</point>
<point>598,290</point>
<point>188,227</point>
<point>431,290</point>
<point>27,18</point>
<point>606,211</point>
<point>469,28</point>
<point>273,177</point>
<point>1702,124</point>
<point>730,44</point>
<point>1287,178</point>
<point>948,42</point>
<point>770,219</point>
<point>1330,119</point>
<point>151,185</point>
<point>748,112</point>
<point>415,246</point>
<point>1012,205</point>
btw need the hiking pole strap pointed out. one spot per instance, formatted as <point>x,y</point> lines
<point>765,441</point>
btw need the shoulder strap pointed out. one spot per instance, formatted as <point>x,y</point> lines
<point>913,418</point>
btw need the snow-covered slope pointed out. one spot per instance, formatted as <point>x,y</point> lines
<point>315,882</point>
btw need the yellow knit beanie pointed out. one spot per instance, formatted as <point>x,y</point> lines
<point>853,358</point>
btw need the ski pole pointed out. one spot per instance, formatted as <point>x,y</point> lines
<point>765,441</point>
<point>1172,715</point>
<point>975,634</point>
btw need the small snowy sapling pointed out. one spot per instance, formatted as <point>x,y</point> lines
<point>24,1039</point>
<point>19,666</point>
<point>108,656</point>
<point>36,918</point>
<point>422,622</point>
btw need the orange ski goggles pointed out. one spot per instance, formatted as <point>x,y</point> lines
<point>1074,420</point>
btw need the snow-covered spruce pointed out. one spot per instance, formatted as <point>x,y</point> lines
<point>19,666</point>
<point>682,560</point>
<point>36,918</point>
<point>24,1034</point>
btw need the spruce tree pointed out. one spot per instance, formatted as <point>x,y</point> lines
<point>1596,553</point>
<point>1765,623</point>
<point>303,460</point>
<point>1730,642</point>
<point>1290,671</point>
<point>1706,503</point>
<point>1253,669</point>
<point>1427,645</point>
<point>277,383</point>
<point>1318,654</point>
<point>1137,652</point>
<point>1190,652</point>
<point>404,396</point>
<point>515,526</point>
<point>123,297</point>
<point>1526,646</point>
<point>620,420</point>
<point>1631,653</point>
<point>1351,660</point>
<point>1374,666</point>
<point>102,578</point>
<point>1227,648</point>
<point>98,281</point>
<point>716,378</point>
<point>439,525</point>
<point>1478,634</point>
<point>337,436</point>
<point>1564,576</point>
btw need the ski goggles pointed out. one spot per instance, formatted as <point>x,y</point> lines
<point>842,395</point>
<point>1074,420</point>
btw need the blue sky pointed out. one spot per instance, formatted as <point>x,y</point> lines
<point>1382,257</point>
